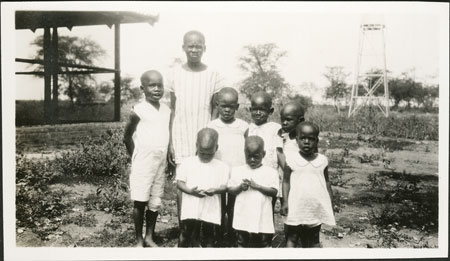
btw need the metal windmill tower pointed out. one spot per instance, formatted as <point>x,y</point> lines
<point>370,73</point>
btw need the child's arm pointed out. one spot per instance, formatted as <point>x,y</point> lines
<point>238,189</point>
<point>327,181</point>
<point>219,190</point>
<point>286,187</point>
<point>171,151</point>
<point>214,111</point>
<point>130,128</point>
<point>181,185</point>
<point>268,191</point>
<point>281,158</point>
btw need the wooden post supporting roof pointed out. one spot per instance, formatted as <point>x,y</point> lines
<point>55,69</point>
<point>47,75</point>
<point>117,73</point>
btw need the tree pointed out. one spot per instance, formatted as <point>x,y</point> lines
<point>73,50</point>
<point>338,88</point>
<point>127,93</point>
<point>260,64</point>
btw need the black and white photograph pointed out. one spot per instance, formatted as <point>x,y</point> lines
<point>204,130</point>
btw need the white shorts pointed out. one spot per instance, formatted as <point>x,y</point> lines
<point>147,176</point>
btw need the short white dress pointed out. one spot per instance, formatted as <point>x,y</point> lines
<point>309,202</point>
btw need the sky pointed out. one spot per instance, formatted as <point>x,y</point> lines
<point>313,35</point>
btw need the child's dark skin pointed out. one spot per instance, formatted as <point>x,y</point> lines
<point>227,104</point>
<point>307,139</point>
<point>261,107</point>
<point>153,88</point>
<point>254,154</point>
<point>206,148</point>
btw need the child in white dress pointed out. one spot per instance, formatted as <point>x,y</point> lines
<point>147,139</point>
<point>307,190</point>
<point>201,179</point>
<point>231,150</point>
<point>260,110</point>
<point>254,185</point>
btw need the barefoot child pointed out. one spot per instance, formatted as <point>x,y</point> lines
<point>201,179</point>
<point>261,108</point>
<point>307,190</point>
<point>254,185</point>
<point>231,148</point>
<point>147,138</point>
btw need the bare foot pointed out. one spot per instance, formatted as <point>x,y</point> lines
<point>148,242</point>
<point>140,243</point>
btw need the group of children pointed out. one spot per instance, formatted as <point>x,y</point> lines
<point>230,179</point>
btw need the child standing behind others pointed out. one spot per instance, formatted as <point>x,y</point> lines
<point>254,185</point>
<point>147,139</point>
<point>201,179</point>
<point>306,190</point>
<point>231,148</point>
<point>260,110</point>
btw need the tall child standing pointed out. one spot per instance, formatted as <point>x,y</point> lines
<point>231,148</point>
<point>306,190</point>
<point>147,138</point>
<point>192,88</point>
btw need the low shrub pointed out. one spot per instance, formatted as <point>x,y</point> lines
<point>103,159</point>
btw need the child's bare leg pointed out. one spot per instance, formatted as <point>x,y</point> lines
<point>208,233</point>
<point>291,235</point>
<point>195,236</point>
<point>243,238</point>
<point>138,216</point>
<point>266,240</point>
<point>150,219</point>
<point>314,237</point>
<point>185,233</point>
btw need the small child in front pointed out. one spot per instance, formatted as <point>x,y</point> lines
<point>231,149</point>
<point>201,179</point>
<point>147,139</point>
<point>254,185</point>
<point>306,190</point>
<point>260,110</point>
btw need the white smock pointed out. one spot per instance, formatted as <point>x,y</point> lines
<point>231,141</point>
<point>193,92</point>
<point>253,209</point>
<point>149,159</point>
<point>204,176</point>
<point>309,202</point>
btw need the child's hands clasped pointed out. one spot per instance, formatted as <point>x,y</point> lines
<point>244,185</point>
<point>251,183</point>
<point>198,192</point>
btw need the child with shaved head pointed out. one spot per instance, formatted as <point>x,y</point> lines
<point>147,138</point>
<point>254,185</point>
<point>231,149</point>
<point>201,179</point>
<point>306,190</point>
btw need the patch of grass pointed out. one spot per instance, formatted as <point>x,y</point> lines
<point>82,220</point>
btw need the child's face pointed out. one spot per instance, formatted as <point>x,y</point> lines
<point>194,47</point>
<point>254,156</point>
<point>307,140</point>
<point>227,106</point>
<point>289,119</point>
<point>153,88</point>
<point>260,110</point>
<point>206,152</point>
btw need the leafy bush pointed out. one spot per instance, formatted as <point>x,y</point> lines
<point>96,160</point>
<point>36,207</point>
